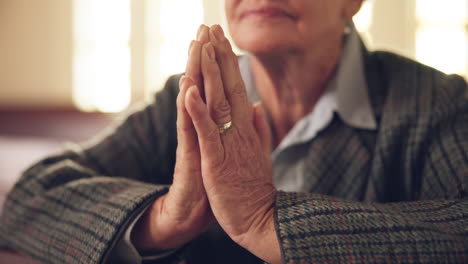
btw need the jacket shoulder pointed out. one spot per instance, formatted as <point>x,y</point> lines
<point>415,87</point>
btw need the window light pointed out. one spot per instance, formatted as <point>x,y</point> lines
<point>169,30</point>
<point>442,37</point>
<point>101,65</point>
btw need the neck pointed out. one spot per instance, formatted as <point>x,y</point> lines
<point>290,84</point>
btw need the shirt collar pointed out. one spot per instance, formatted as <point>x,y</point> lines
<point>351,91</point>
<point>345,94</point>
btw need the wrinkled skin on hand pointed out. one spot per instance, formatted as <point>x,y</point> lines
<point>236,165</point>
<point>224,177</point>
<point>184,212</point>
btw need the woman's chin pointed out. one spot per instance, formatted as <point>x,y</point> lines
<point>264,47</point>
<point>264,39</point>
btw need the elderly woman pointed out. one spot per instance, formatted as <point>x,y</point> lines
<point>351,157</point>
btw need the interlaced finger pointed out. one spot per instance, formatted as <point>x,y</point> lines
<point>186,134</point>
<point>218,106</point>
<point>230,74</point>
<point>211,148</point>
<point>193,68</point>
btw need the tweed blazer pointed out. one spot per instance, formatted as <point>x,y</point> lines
<point>397,194</point>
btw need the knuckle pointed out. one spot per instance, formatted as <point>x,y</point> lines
<point>179,101</point>
<point>238,87</point>
<point>221,110</point>
<point>238,90</point>
<point>211,136</point>
<point>186,169</point>
<point>224,55</point>
<point>223,52</point>
<point>185,128</point>
<point>225,45</point>
<point>211,70</point>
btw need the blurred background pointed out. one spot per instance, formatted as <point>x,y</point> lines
<point>101,55</point>
<point>64,64</point>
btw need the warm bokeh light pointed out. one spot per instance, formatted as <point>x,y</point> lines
<point>442,37</point>
<point>102,59</point>
<point>442,12</point>
<point>443,48</point>
<point>169,30</point>
<point>363,19</point>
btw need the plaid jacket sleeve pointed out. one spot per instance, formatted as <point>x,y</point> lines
<point>74,207</point>
<point>432,228</point>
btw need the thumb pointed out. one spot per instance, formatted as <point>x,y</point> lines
<point>209,138</point>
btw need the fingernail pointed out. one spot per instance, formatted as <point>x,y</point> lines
<point>200,28</point>
<point>182,81</point>
<point>218,32</point>
<point>194,93</point>
<point>202,36</point>
<point>213,37</point>
<point>190,47</point>
<point>210,51</point>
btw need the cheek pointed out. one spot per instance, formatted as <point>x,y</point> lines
<point>321,24</point>
<point>229,11</point>
<point>230,7</point>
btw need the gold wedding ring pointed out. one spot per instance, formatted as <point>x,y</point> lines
<point>225,127</point>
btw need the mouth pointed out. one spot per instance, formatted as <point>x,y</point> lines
<point>266,12</point>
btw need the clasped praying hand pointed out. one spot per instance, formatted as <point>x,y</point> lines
<point>223,170</point>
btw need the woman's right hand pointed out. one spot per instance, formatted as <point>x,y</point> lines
<point>184,212</point>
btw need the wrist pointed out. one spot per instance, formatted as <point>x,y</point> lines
<point>152,232</point>
<point>262,239</point>
<point>141,233</point>
<point>161,228</point>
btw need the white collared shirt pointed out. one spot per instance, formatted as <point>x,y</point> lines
<point>346,94</point>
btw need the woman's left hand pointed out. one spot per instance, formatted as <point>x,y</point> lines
<point>236,164</point>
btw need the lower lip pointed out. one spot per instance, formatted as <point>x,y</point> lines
<point>265,14</point>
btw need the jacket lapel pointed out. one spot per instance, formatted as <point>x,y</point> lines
<point>339,162</point>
